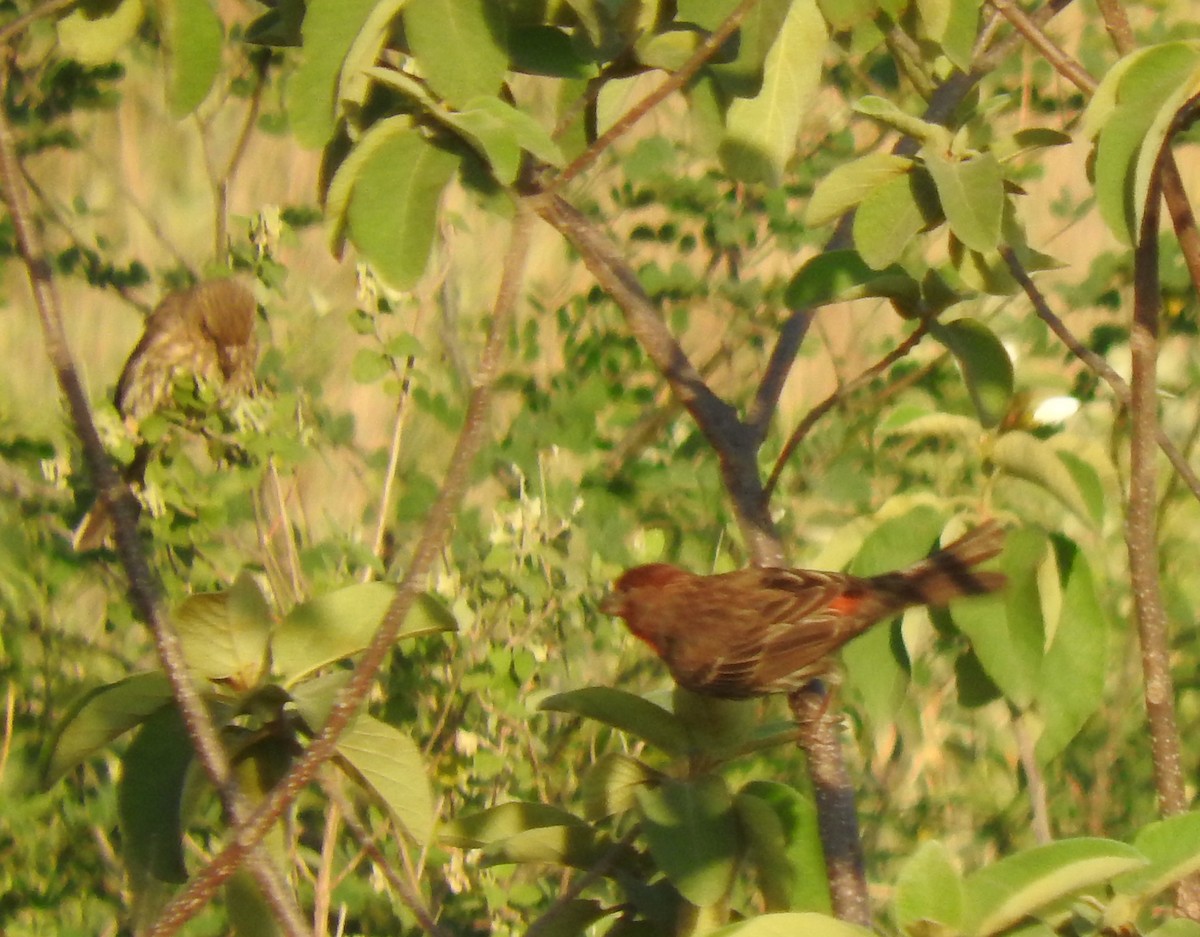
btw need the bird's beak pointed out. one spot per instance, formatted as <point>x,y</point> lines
<point>611,604</point>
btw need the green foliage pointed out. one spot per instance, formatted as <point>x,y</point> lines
<point>516,741</point>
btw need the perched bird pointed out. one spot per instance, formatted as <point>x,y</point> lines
<point>204,333</point>
<point>758,631</point>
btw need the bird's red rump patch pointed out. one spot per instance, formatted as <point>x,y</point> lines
<point>846,604</point>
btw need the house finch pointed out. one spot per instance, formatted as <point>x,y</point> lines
<point>205,333</point>
<point>759,631</point>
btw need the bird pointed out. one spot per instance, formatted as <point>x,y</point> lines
<point>204,333</point>
<point>766,630</point>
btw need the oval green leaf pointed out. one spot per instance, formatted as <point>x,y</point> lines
<point>985,365</point>
<point>339,624</point>
<point>625,711</point>
<point>1003,893</point>
<point>972,196</point>
<point>930,890</point>
<point>761,131</point>
<point>849,183</point>
<point>389,763</point>
<point>101,715</point>
<point>392,213</point>
<point>150,799</point>
<point>194,37</point>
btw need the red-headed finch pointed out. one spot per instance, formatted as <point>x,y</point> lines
<point>758,631</point>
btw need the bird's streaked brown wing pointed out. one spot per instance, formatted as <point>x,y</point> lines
<point>801,618</point>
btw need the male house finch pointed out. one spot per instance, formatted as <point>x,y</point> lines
<point>759,631</point>
<point>205,333</point>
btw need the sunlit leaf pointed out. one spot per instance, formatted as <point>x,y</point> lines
<point>625,711</point>
<point>341,623</point>
<point>972,195</point>
<point>761,131</point>
<point>930,890</point>
<point>101,715</point>
<point>849,183</point>
<point>194,37</point>
<point>390,763</point>
<point>1019,885</point>
<point>459,45</point>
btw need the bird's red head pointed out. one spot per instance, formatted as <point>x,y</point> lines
<point>650,576</point>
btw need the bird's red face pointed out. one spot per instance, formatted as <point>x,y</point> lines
<point>652,576</point>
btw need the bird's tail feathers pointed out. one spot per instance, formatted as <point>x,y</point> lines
<point>950,572</point>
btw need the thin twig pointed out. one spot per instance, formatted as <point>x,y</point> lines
<point>810,419</point>
<point>1097,364</point>
<point>17,26</point>
<point>438,522</point>
<point>601,866</point>
<point>1035,781</point>
<point>407,890</point>
<point>673,82</point>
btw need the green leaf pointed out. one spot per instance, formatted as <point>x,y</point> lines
<point>101,715</point>
<point>541,49</point>
<point>887,220</point>
<point>572,844</point>
<point>668,49</point>
<point>849,183</point>
<point>876,662</point>
<point>194,38</point>
<point>1172,847</point>
<point>960,32</point>
<point>341,623</point>
<point>390,764</point>
<point>789,924</point>
<point>392,213</point>
<point>1019,885</point>
<point>791,871</point>
<point>761,131</point>
<point>1144,85</point>
<point>94,39</point>
<point>935,136</point>
<point>499,131</point>
<point>353,80</point>
<point>150,799</point>
<point>459,45</point>
<point>1152,143</point>
<point>337,198</point>
<point>249,913</point>
<point>1076,664</point>
<point>1023,455</point>
<point>504,821</point>
<point>610,786</point>
<point>693,836</point>
<point>972,196</point>
<point>1087,482</point>
<point>369,366</point>
<point>985,365</point>
<point>930,890</point>
<point>838,276</point>
<point>329,30</point>
<point>225,634</point>
<point>625,711</point>
<point>1006,632</point>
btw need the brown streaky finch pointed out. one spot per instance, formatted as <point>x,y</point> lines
<point>205,333</point>
<point>759,631</point>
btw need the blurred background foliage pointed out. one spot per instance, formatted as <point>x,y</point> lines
<point>150,168</point>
